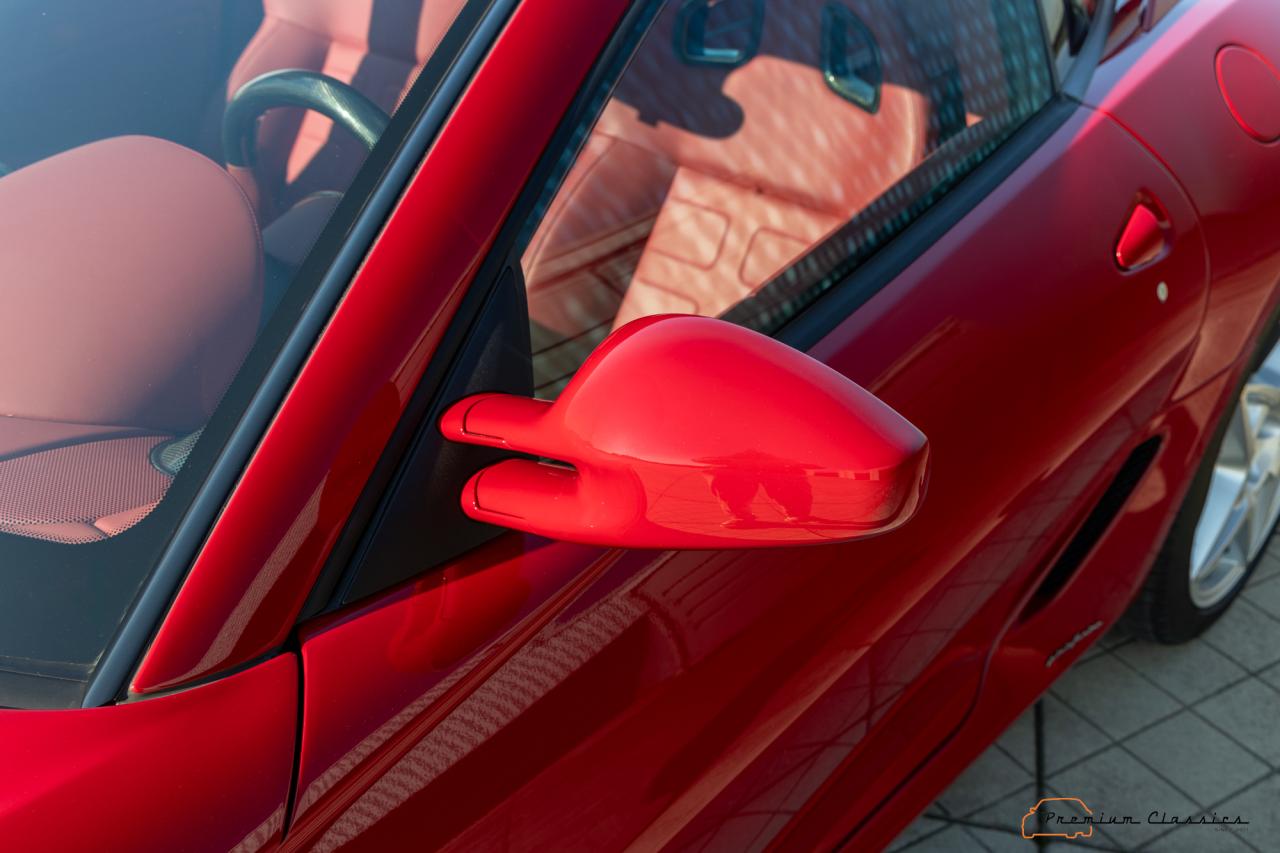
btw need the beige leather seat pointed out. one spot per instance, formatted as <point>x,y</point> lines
<point>699,183</point>
<point>124,341</point>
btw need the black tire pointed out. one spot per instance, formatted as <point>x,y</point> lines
<point>1164,610</point>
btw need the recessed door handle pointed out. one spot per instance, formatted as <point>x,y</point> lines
<point>1144,239</point>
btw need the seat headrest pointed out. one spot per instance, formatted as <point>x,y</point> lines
<point>404,29</point>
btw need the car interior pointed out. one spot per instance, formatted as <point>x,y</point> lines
<point>137,262</point>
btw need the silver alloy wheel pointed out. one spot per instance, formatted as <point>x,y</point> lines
<point>1243,501</point>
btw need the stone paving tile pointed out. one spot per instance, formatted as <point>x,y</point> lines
<point>1197,839</point>
<point>1271,675</point>
<point>1268,568</point>
<point>1190,671</point>
<point>1002,842</point>
<point>1012,842</point>
<point>993,776</point>
<point>1007,813</point>
<point>998,841</point>
<point>1113,697</point>
<point>919,829</point>
<point>1068,737</point>
<point>1114,783</point>
<point>1092,652</point>
<point>1197,758</point>
<point>1265,594</point>
<point>1019,740</point>
<point>1117,636</point>
<point>1250,713</point>
<point>1247,635</point>
<point>953,839</point>
<point>1258,805</point>
<point>1269,565</point>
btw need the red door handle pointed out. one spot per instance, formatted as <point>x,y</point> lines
<point>1143,240</point>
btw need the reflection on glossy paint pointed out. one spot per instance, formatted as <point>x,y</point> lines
<point>636,668</point>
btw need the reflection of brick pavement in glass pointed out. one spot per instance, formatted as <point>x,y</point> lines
<point>1137,726</point>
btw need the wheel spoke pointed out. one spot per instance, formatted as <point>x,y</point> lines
<point>1268,459</point>
<point>1218,521</point>
<point>1231,535</point>
<point>1251,527</point>
<point>1237,444</point>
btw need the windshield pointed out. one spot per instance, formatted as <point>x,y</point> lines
<point>167,168</point>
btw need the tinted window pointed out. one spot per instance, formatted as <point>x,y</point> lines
<point>156,206</point>
<point>755,152</point>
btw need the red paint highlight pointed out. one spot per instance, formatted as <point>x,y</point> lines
<point>671,448</point>
<point>1142,241</point>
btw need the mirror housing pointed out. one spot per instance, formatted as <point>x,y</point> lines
<point>684,432</point>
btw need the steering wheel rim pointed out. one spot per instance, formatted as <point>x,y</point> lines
<point>293,87</point>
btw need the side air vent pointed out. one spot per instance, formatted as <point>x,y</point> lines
<point>1095,525</point>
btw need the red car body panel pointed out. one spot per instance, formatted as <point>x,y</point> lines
<point>1232,179</point>
<point>1235,187</point>
<point>537,693</point>
<point>208,767</point>
<point>1016,673</point>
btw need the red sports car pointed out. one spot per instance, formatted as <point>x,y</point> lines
<point>600,424</point>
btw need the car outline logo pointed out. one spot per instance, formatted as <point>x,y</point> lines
<point>1031,813</point>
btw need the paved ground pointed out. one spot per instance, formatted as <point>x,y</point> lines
<point>1136,726</point>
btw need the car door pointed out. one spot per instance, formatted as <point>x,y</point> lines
<point>955,253</point>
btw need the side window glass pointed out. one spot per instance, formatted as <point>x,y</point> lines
<point>1066,24</point>
<point>754,152</point>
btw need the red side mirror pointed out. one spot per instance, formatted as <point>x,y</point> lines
<point>687,432</point>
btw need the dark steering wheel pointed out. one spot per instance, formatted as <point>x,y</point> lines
<point>296,88</point>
